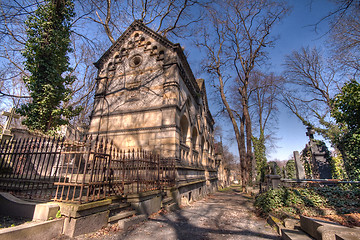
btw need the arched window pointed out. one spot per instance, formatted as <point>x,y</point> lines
<point>194,137</point>
<point>184,128</point>
<point>202,144</point>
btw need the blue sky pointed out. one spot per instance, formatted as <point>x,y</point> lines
<point>295,31</point>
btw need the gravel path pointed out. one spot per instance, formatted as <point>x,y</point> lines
<point>223,215</point>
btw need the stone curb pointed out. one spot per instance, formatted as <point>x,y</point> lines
<point>275,223</point>
<point>320,229</point>
<point>34,230</point>
<point>125,224</point>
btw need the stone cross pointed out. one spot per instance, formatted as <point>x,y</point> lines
<point>10,116</point>
<point>310,133</point>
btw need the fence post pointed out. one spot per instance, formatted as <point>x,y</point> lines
<point>158,160</point>
<point>137,171</point>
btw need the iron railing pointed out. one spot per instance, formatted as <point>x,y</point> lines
<point>52,169</point>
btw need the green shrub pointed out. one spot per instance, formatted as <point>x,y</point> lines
<point>344,199</point>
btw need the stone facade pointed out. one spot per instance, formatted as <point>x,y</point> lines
<point>147,97</point>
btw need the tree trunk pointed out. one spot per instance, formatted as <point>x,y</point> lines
<point>249,156</point>
<point>242,151</point>
<point>250,166</point>
<point>236,128</point>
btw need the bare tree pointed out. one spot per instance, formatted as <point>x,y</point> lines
<point>311,83</point>
<point>170,17</point>
<point>239,36</point>
<point>264,90</point>
<point>12,39</point>
<point>344,34</point>
<point>345,37</point>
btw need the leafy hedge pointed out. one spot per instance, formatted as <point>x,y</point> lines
<point>299,200</point>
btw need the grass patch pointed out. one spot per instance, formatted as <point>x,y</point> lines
<point>225,189</point>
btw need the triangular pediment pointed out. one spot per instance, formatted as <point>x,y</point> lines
<point>127,38</point>
<point>140,40</point>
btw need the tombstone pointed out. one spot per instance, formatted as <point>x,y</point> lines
<point>321,167</point>
<point>273,170</point>
<point>6,134</point>
<point>300,171</point>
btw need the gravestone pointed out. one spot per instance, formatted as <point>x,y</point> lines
<point>320,166</point>
<point>6,133</point>
<point>300,172</point>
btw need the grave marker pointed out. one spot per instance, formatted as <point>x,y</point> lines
<point>300,172</point>
<point>6,134</point>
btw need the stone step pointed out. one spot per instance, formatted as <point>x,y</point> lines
<point>124,224</point>
<point>115,206</point>
<point>320,229</point>
<point>291,223</point>
<point>346,236</point>
<point>115,209</point>
<point>294,234</point>
<point>167,200</point>
<point>121,215</point>
<point>171,207</point>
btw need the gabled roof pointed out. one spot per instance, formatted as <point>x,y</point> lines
<point>201,84</point>
<point>138,25</point>
<point>135,26</point>
<point>196,86</point>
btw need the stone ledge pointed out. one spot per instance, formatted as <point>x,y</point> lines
<point>288,234</point>
<point>275,223</point>
<point>346,236</point>
<point>142,196</point>
<point>91,223</point>
<point>79,210</point>
<point>189,167</point>
<point>126,223</point>
<point>213,178</point>
<point>34,230</point>
<point>324,230</point>
<point>191,183</point>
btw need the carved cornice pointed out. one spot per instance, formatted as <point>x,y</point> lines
<point>135,129</point>
<point>148,109</point>
<point>171,84</point>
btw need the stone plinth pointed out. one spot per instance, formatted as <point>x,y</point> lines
<point>146,203</point>
<point>84,218</point>
<point>273,181</point>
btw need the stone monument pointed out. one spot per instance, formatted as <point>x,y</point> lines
<point>320,166</point>
<point>300,172</point>
<point>147,97</point>
<point>6,133</point>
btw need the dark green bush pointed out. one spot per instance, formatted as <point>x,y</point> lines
<point>343,199</point>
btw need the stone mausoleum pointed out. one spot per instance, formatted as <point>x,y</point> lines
<point>147,97</point>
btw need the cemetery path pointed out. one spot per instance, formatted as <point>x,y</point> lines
<point>222,215</point>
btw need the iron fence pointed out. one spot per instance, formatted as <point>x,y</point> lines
<point>52,169</point>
